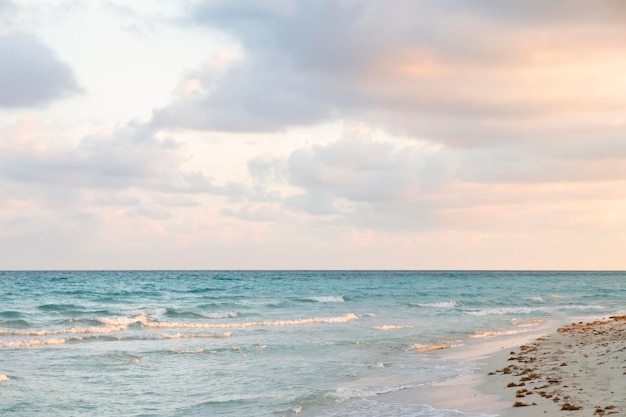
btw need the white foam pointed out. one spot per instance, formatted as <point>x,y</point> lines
<point>582,307</point>
<point>345,394</point>
<point>32,343</point>
<point>133,361</point>
<point>329,299</point>
<point>124,321</point>
<point>392,327</point>
<point>70,330</point>
<point>482,335</point>
<point>278,323</point>
<point>195,335</point>
<point>505,310</point>
<point>224,315</point>
<point>377,365</point>
<point>442,304</point>
<point>429,348</point>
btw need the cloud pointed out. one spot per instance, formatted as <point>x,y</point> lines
<point>31,75</point>
<point>130,158</point>
<point>404,187</point>
<point>469,74</point>
<point>542,13</point>
<point>361,182</point>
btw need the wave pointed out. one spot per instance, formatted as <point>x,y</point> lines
<point>483,335</point>
<point>187,351</point>
<point>132,361</point>
<point>429,348</point>
<point>345,394</point>
<point>10,314</point>
<point>223,315</point>
<point>278,323</point>
<point>32,343</point>
<point>392,327</point>
<point>60,307</point>
<point>124,321</point>
<point>581,307</point>
<point>505,310</point>
<point>19,323</point>
<point>121,324</point>
<point>195,335</point>
<point>441,304</point>
<point>62,341</point>
<point>71,330</point>
<point>177,313</point>
<point>328,299</point>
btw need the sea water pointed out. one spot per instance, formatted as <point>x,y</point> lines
<point>271,343</point>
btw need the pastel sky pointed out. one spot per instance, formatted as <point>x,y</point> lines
<point>199,134</point>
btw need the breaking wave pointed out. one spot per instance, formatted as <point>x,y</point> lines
<point>483,335</point>
<point>441,304</point>
<point>277,323</point>
<point>327,299</point>
<point>32,343</point>
<point>392,327</point>
<point>505,310</point>
<point>121,324</point>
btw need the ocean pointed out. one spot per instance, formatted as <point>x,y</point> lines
<point>264,343</point>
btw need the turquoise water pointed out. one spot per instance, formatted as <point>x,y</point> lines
<point>205,343</point>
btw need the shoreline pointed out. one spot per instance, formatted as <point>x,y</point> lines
<point>470,392</point>
<point>573,370</point>
<point>474,393</point>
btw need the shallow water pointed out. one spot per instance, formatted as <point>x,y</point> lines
<point>233,343</point>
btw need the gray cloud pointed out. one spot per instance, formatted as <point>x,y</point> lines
<point>450,72</point>
<point>542,13</point>
<point>31,74</point>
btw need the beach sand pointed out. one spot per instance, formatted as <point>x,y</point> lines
<point>579,370</point>
<point>576,370</point>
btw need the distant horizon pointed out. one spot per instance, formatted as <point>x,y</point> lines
<point>312,270</point>
<point>298,134</point>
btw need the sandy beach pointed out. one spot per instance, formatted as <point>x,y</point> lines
<point>580,370</point>
<point>575,370</point>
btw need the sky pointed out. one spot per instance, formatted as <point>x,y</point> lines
<point>297,134</point>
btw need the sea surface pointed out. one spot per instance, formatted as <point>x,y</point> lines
<point>270,343</point>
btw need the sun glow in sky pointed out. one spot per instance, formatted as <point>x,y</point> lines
<point>282,134</point>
